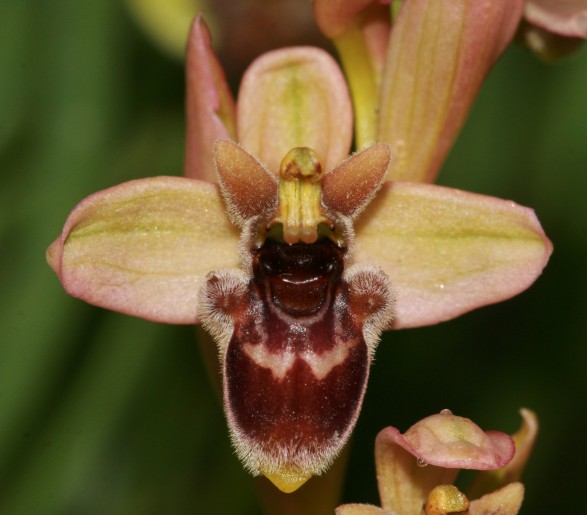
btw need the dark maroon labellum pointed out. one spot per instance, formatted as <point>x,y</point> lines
<point>297,363</point>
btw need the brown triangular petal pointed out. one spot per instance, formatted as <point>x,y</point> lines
<point>247,187</point>
<point>352,184</point>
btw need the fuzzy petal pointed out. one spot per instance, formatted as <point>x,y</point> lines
<point>247,187</point>
<point>440,51</point>
<point>448,441</point>
<point>144,247</point>
<point>350,186</point>
<point>210,109</point>
<point>505,501</point>
<point>564,17</point>
<point>403,484</point>
<point>447,251</point>
<point>295,97</point>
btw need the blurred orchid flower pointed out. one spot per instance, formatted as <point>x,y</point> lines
<point>564,17</point>
<point>415,470</point>
<point>554,28</point>
<point>414,78</point>
<point>328,256</point>
<point>269,25</point>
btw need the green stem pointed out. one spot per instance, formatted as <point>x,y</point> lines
<point>362,79</point>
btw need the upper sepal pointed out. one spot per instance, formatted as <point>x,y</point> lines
<point>403,484</point>
<point>144,247</point>
<point>295,97</point>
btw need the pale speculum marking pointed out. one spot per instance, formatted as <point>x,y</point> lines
<point>322,364</point>
<point>280,362</point>
<point>296,361</point>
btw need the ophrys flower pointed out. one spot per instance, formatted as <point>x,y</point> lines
<point>298,299</point>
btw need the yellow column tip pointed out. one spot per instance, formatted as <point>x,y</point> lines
<point>288,481</point>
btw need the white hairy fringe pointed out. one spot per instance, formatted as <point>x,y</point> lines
<point>371,280</point>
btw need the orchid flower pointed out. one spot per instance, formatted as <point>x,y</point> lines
<point>293,255</point>
<point>416,470</point>
<point>167,22</point>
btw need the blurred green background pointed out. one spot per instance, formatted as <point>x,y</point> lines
<point>105,414</point>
